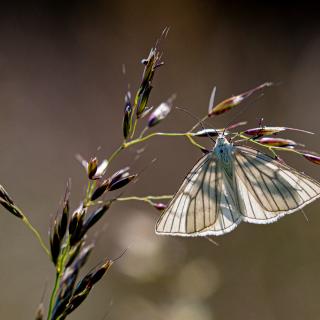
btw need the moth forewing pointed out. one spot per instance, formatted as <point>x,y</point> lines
<point>174,218</point>
<point>205,203</point>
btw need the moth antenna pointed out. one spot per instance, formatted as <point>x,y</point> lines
<point>199,122</point>
<point>241,111</point>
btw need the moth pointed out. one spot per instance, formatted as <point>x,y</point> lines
<point>232,184</point>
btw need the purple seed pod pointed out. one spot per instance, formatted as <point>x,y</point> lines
<point>265,131</point>
<point>312,157</point>
<point>230,103</point>
<point>160,206</point>
<point>277,142</point>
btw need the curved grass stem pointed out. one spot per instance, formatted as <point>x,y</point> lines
<point>148,199</point>
<point>53,295</point>
<point>36,233</point>
<point>142,138</point>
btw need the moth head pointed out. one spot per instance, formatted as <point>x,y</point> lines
<point>221,142</point>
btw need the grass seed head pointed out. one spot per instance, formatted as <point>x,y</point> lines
<point>75,251</point>
<point>76,300</point>
<point>55,244</point>
<point>92,167</point>
<point>277,142</point>
<point>127,117</point>
<point>82,257</point>
<point>95,217</point>
<point>142,98</point>
<point>75,225</point>
<point>232,102</point>
<point>11,208</point>
<point>100,271</point>
<point>121,182</point>
<point>4,195</point>
<point>160,113</point>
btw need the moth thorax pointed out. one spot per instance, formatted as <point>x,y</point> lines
<point>223,150</point>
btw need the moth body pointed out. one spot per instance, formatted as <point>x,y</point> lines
<point>233,184</point>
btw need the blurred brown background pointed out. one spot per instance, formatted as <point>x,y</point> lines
<point>61,93</point>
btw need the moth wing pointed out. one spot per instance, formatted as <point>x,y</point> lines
<point>268,189</point>
<point>204,204</point>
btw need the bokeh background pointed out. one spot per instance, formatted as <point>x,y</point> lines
<point>61,93</point>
